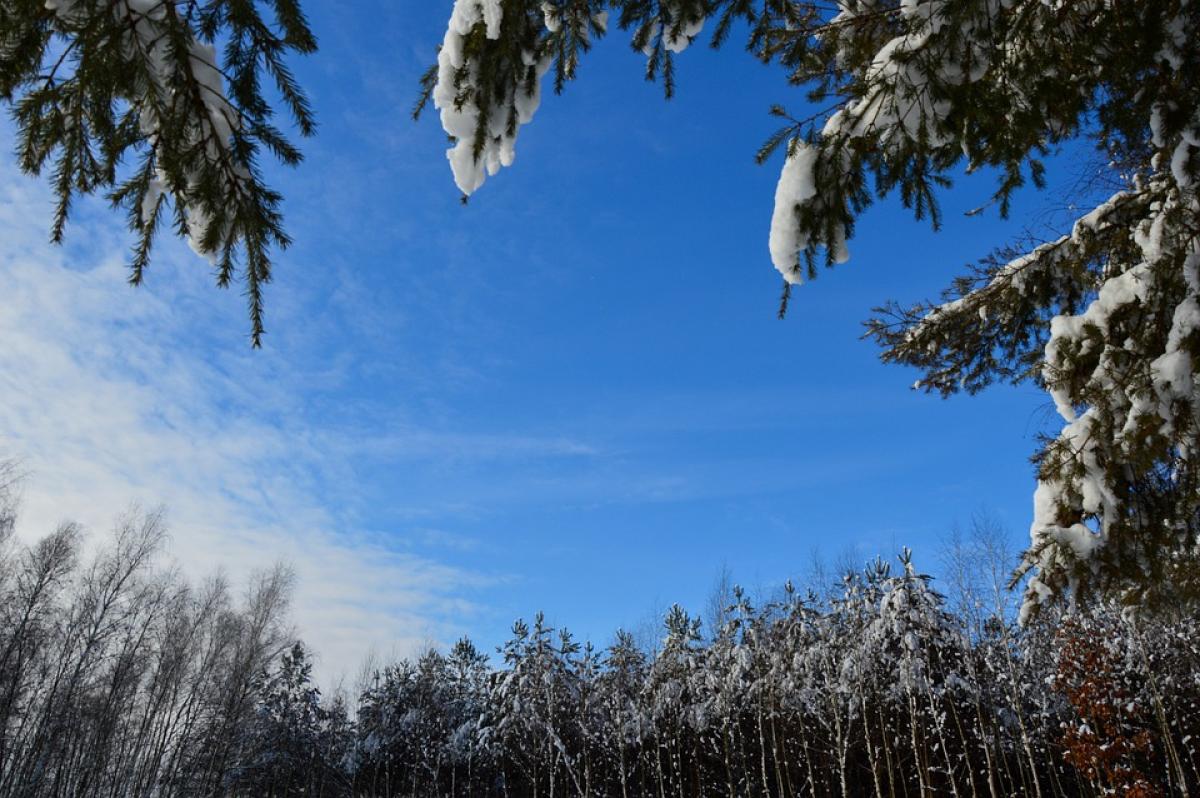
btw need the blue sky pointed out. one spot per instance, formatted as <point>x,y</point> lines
<point>571,394</point>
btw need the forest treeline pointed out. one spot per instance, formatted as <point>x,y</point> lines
<point>118,678</point>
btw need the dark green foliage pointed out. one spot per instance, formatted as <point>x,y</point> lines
<point>129,99</point>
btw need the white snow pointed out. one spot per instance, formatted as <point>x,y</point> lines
<point>795,187</point>
<point>678,42</point>
<point>460,114</point>
<point>550,17</point>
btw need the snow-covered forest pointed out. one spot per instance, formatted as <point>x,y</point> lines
<point>118,678</point>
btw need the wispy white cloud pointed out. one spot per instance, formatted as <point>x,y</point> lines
<point>111,396</point>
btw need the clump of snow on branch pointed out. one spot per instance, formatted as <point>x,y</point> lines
<point>483,120</point>
<point>472,161</point>
<point>898,99</point>
<point>551,18</point>
<point>797,186</point>
<point>676,30</point>
<point>897,107</point>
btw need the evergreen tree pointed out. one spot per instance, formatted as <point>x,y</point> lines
<point>907,94</point>
<point>130,99</point>
<point>623,725</point>
<point>537,699</point>
<point>292,745</point>
<point>467,672</point>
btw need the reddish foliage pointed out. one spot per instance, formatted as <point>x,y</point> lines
<point>1110,739</point>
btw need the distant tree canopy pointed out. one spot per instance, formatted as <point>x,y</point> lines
<point>903,96</point>
<point>119,678</point>
<point>130,99</point>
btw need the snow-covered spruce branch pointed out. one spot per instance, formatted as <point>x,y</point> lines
<point>1106,318</point>
<point>94,79</point>
<point>993,324</point>
<point>487,80</point>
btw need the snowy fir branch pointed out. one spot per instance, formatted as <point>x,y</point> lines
<point>130,99</point>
